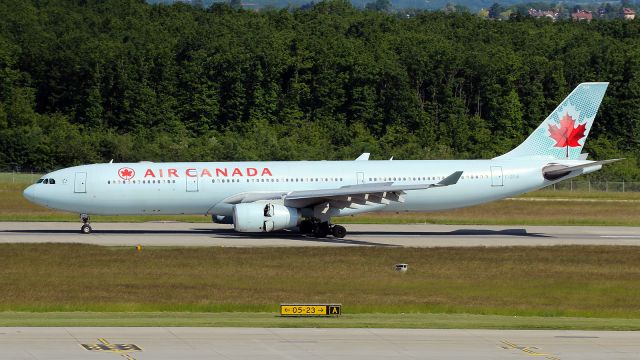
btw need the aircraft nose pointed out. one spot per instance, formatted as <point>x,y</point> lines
<point>30,193</point>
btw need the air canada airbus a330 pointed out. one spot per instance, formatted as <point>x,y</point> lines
<point>305,195</point>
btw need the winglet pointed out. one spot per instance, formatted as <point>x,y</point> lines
<point>450,180</point>
<point>363,157</point>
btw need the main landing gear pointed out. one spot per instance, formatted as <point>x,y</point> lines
<point>86,226</point>
<point>321,229</point>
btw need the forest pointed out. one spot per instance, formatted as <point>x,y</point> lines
<point>85,81</point>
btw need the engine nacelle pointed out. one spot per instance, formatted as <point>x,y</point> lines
<point>221,219</point>
<point>264,217</point>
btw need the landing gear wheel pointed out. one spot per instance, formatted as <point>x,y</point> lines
<point>85,229</point>
<point>338,231</point>
<point>321,230</point>
<point>306,227</point>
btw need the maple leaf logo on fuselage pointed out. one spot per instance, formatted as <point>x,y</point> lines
<point>126,173</point>
<point>566,135</point>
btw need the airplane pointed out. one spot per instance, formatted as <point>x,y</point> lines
<point>305,195</point>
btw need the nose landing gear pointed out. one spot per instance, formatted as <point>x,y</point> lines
<point>86,226</point>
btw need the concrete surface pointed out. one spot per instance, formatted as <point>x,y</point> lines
<point>255,343</point>
<point>204,234</point>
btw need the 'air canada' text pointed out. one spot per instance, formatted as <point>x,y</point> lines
<point>217,172</point>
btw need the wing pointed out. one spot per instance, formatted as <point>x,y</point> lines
<point>343,197</point>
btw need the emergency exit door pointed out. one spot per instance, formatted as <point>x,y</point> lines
<point>192,184</point>
<point>80,184</point>
<point>496,176</point>
<point>360,177</point>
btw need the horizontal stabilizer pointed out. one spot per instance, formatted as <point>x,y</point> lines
<point>556,171</point>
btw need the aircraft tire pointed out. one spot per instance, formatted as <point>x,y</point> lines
<point>85,229</point>
<point>306,227</point>
<point>338,231</point>
<point>321,230</point>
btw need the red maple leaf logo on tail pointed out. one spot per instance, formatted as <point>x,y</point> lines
<point>566,135</point>
<point>126,173</point>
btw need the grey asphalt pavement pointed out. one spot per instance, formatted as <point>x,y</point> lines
<point>416,235</point>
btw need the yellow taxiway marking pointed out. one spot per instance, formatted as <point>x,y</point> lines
<point>119,349</point>
<point>529,350</point>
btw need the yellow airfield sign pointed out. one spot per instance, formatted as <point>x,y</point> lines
<point>310,309</point>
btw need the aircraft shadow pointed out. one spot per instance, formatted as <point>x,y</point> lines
<point>460,232</point>
<point>300,237</point>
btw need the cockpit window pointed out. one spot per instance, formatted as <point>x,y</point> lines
<point>52,181</point>
<point>46,181</point>
<point>39,181</point>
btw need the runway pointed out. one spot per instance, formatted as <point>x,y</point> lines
<point>418,235</point>
<point>258,343</point>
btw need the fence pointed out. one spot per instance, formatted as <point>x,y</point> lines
<point>589,186</point>
<point>19,177</point>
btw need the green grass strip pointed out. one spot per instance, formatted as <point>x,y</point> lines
<point>262,319</point>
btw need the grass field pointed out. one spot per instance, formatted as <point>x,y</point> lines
<point>19,178</point>
<point>270,319</point>
<point>577,281</point>
<point>605,209</point>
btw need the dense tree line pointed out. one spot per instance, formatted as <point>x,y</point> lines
<point>92,80</point>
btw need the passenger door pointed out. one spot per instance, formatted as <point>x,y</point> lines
<point>80,184</point>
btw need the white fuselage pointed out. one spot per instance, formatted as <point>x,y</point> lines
<point>201,188</point>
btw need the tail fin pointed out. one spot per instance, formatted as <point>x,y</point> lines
<point>563,133</point>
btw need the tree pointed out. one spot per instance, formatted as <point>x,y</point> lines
<point>133,81</point>
<point>495,10</point>
<point>379,5</point>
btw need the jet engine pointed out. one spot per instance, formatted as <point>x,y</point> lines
<point>264,217</point>
<point>221,219</point>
